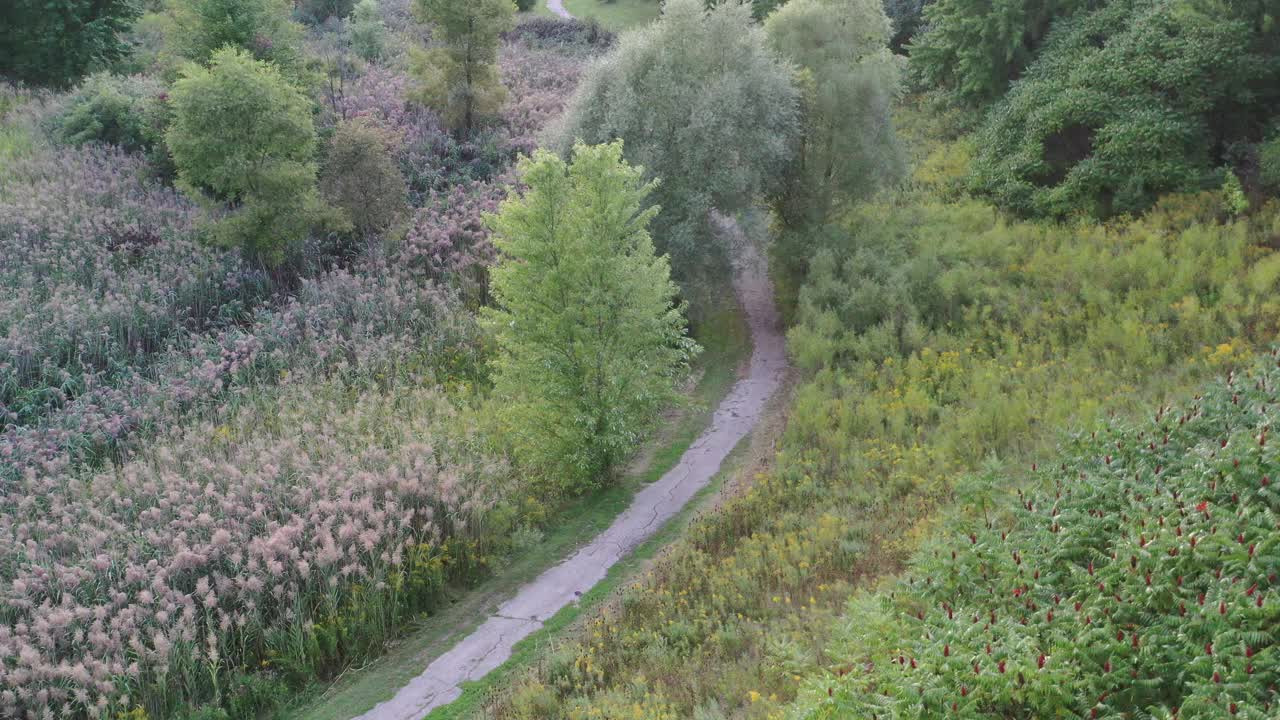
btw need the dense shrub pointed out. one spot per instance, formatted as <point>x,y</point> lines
<point>1136,574</point>
<point>937,340</point>
<point>368,31</point>
<point>318,11</point>
<point>361,178</point>
<point>1125,103</point>
<point>539,29</point>
<point>123,111</point>
<point>243,134</point>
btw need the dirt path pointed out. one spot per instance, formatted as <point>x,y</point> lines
<point>491,643</point>
<point>557,7</point>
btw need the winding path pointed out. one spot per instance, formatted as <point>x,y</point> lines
<point>557,7</point>
<point>490,644</point>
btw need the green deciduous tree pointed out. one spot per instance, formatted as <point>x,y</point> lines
<point>55,42</point>
<point>459,77</point>
<point>259,27</point>
<point>590,342</point>
<point>704,104</point>
<point>974,48</point>
<point>361,178</point>
<point>242,135</point>
<point>368,31</point>
<point>1128,102</point>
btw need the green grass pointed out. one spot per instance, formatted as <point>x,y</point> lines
<point>726,342</point>
<point>617,15</point>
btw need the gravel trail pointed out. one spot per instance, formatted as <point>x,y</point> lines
<point>491,643</point>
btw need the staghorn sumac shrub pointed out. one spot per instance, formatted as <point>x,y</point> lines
<point>1136,572</point>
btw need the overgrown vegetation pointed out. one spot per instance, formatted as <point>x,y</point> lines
<point>939,340</point>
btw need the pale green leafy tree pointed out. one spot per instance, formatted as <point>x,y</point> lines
<point>242,137</point>
<point>703,103</point>
<point>847,146</point>
<point>590,340</point>
<point>368,31</point>
<point>459,77</point>
<point>259,27</point>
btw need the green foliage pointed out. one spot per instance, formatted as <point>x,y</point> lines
<point>317,11</point>
<point>974,48</point>
<point>243,135</point>
<point>938,340</point>
<point>368,31</point>
<point>907,17</point>
<point>260,27</point>
<point>361,178</point>
<point>56,42</point>
<point>703,104</point>
<point>526,5</point>
<point>1126,103</point>
<point>1138,574</point>
<point>460,77</point>
<point>122,111</point>
<point>1269,164</point>
<point>847,147</point>
<point>590,343</point>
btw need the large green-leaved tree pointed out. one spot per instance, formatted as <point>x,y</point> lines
<point>259,27</point>
<point>590,340</point>
<point>459,77</point>
<point>242,135</point>
<point>56,42</point>
<point>703,103</point>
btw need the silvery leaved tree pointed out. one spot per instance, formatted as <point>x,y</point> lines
<point>704,104</point>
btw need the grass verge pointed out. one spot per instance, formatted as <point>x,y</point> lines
<point>727,342</point>
<point>617,15</point>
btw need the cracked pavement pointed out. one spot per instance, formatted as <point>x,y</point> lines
<point>489,645</point>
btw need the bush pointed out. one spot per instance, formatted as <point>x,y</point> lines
<point>122,111</point>
<point>244,136</point>
<point>1127,103</point>
<point>361,178</point>
<point>368,31</point>
<point>1269,164</point>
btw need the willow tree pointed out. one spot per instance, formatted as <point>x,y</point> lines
<point>704,104</point>
<point>459,76</point>
<point>847,147</point>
